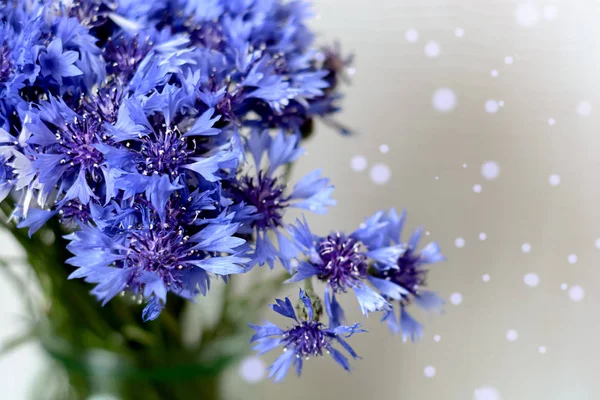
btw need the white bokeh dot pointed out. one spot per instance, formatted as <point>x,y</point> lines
<point>572,258</point>
<point>551,121</point>
<point>437,338</point>
<point>491,106</point>
<point>486,393</point>
<point>444,100</point>
<point>482,236</point>
<point>437,178</point>
<point>554,180</point>
<point>427,233</point>
<point>459,32</point>
<point>542,349</point>
<point>384,148</point>
<point>464,165</point>
<point>584,108</point>
<point>527,14</point>
<point>494,73</point>
<point>597,243</point>
<point>411,35</point>
<point>525,247</point>
<point>531,279</point>
<point>477,188</point>
<point>576,293</point>
<point>490,170</point>
<point>509,60</point>
<point>550,12</point>
<point>564,286</point>
<point>501,103</point>
<point>459,242</point>
<point>456,298</point>
<point>380,174</point>
<point>432,49</point>
<point>358,163</point>
<point>429,371</point>
<point>252,369</point>
<point>486,278</point>
<point>512,335</point>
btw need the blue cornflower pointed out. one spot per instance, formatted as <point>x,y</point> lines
<point>137,251</point>
<point>268,193</point>
<point>307,338</point>
<point>404,281</point>
<point>58,64</point>
<point>342,262</point>
<point>7,177</point>
<point>68,155</point>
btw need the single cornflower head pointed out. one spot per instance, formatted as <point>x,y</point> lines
<point>404,282</point>
<point>342,261</point>
<point>124,54</point>
<point>305,339</point>
<point>138,251</point>
<point>266,191</point>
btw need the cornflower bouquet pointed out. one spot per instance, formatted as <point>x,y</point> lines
<point>145,154</point>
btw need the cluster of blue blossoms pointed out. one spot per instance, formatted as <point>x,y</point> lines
<point>160,133</point>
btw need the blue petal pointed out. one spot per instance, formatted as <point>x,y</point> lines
<point>410,327</point>
<point>287,250</point>
<point>387,255</point>
<point>204,125</point>
<point>395,225</point>
<point>304,271</point>
<point>283,150</point>
<point>281,365</point>
<point>152,310</point>
<point>266,345</point>
<point>429,301</point>
<point>309,185</point>
<point>257,144</point>
<point>307,304</point>
<point>340,359</point>
<point>284,308</point>
<point>302,235</point>
<point>80,189</point>
<point>334,310</point>
<point>369,300</point>
<point>36,218</point>
<point>264,251</point>
<point>217,237</point>
<point>391,320</point>
<point>221,265</point>
<point>388,289</point>
<point>265,330</point>
<point>413,242</point>
<point>431,254</point>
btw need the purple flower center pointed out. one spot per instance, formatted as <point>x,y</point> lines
<point>208,34</point>
<point>160,250</point>
<point>306,339</point>
<point>123,55</point>
<point>268,196</point>
<point>104,105</point>
<point>342,262</point>
<point>409,274</point>
<point>77,141</point>
<point>74,212</point>
<point>6,171</point>
<point>5,63</point>
<point>164,154</point>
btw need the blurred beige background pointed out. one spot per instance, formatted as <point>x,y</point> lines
<point>519,94</point>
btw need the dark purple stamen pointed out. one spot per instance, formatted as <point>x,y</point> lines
<point>208,34</point>
<point>123,55</point>
<point>161,250</point>
<point>165,154</point>
<point>74,212</point>
<point>306,339</point>
<point>5,63</point>
<point>104,105</point>
<point>342,263</point>
<point>410,274</point>
<point>268,196</point>
<point>77,142</point>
